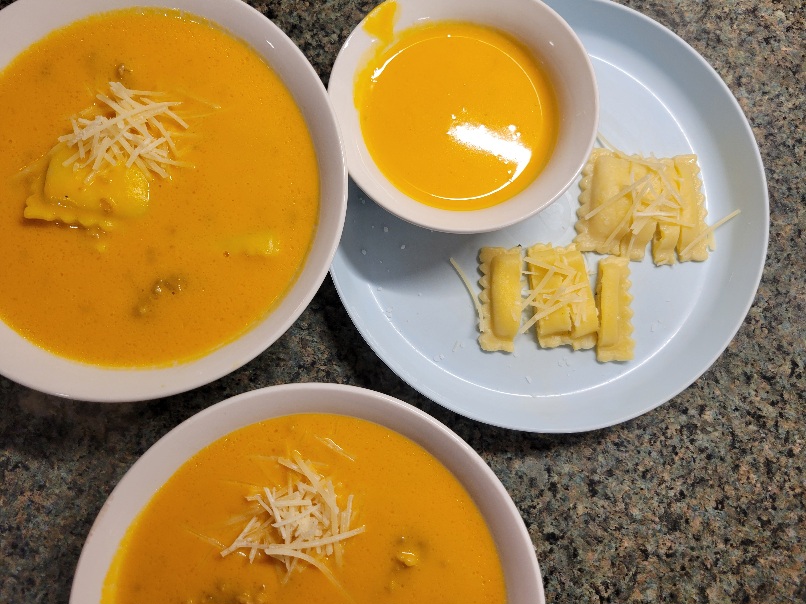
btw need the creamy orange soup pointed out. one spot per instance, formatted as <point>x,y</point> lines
<point>421,538</point>
<point>456,115</point>
<point>130,268</point>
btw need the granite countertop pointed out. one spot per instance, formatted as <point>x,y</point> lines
<point>700,500</point>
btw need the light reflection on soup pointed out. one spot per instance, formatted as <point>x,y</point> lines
<point>195,258</point>
<point>424,540</point>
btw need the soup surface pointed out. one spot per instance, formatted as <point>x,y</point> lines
<point>421,538</point>
<point>456,115</point>
<point>129,265</point>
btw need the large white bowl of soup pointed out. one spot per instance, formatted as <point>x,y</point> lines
<point>309,493</point>
<point>464,116</point>
<point>173,189</point>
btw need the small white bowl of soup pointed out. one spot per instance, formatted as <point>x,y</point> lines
<point>201,516</point>
<point>464,116</point>
<point>174,190</point>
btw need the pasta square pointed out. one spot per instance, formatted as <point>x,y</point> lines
<point>628,201</point>
<point>59,193</point>
<point>561,296</point>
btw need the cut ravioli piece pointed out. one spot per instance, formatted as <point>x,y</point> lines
<point>500,297</point>
<point>560,294</point>
<point>691,245</point>
<point>61,193</point>
<point>654,203</point>
<point>604,212</point>
<point>623,198</point>
<point>615,312</point>
<point>626,201</point>
<point>678,188</point>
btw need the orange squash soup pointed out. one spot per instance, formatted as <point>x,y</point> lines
<point>159,189</point>
<point>456,115</point>
<point>307,509</point>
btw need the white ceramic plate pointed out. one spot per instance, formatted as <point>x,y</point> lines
<point>657,95</point>
<point>521,569</point>
<point>26,21</point>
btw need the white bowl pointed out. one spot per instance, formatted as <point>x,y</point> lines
<point>521,570</point>
<point>25,22</point>
<point>551,40</point>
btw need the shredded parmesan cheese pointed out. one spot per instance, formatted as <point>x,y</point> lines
<point>128,126</point>
<point>469,288</point>
<point>300,521</point>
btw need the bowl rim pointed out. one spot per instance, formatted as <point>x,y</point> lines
<point>521,19</point>
<point>163,458</point>
<point>27,21</point>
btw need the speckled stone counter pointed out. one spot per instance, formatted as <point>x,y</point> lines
<point>700,500</point>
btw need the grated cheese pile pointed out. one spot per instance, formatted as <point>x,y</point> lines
<point>134,128</point>
<point>301,521</point>
<point>546,300</point>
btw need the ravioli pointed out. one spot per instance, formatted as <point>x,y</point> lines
<point>628,201</point>
<point>615,341</point>
<point>64,195</point>
<point>695,237</point>
<point>258,244</point>
<point>561,296</point>
<point>500,297</point>
<point>409,532</point>
<point>98,174</point>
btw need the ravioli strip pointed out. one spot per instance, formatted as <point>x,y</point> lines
<point>561,296</point>
<point>615,342</point>
<point>500,297</point>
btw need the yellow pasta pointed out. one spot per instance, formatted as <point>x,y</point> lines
<point>500,297</point>
<point>626,201</point>
<point>57,194</point>
<point>693,211</point>
<point>561,296</point>
<point>615,341</point>
<point>664,243</point>
<point>258,244</point>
